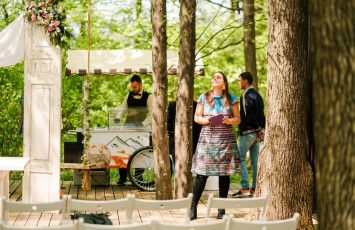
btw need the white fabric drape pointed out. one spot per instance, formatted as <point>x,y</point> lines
<point>12,42</point>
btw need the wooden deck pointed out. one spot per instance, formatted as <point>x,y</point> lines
<point>110,193</point>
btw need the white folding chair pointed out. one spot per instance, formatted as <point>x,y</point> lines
<point>9,206</point>
<point>255,202</point>
<point>288,224</point>
<point>212,225</point>
<point>135,226</point>
<point>72,226</point>
<point>160,205</point>
<point>94,206</point>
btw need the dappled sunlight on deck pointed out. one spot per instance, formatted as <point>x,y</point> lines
<point>112,192</point>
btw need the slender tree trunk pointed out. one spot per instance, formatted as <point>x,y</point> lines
<point>284,173</point>
<point>184,101</point>
<point>160,105</point>
<point>234,7</point>
<point>138,13</point>
<point>138,8</point>
<point>249,40</point>
<point>333,68</point>
<point>83,24</point>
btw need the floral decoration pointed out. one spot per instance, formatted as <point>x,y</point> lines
<point>50,16</point>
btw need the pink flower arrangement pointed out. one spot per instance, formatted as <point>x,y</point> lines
<point>49,15</point>
<point>53,26</point>
<point>33,17</point>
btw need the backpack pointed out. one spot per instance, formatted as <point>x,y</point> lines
<point>93,218</point>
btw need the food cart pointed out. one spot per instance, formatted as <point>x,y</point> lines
<point>128,143</point>
<point>124,144</point>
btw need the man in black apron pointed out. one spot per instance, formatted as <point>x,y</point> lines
<point>137,98</point>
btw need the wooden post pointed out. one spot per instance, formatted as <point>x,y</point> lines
<point>86,180</point>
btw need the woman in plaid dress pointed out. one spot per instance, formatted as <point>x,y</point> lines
<point>217,151</point>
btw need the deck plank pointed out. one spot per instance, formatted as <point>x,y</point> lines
<point>120,192</point>
<point>56,219</point>
<point>87,194</point>
<point>112,192</point>
<point>65,187</point>
<point>33,220</point>
<point>21,219</point>
<point>100,192</point>
<point>46,219</point>
<point>16,195</point>
<point>74,190</point>
<point>138,215</point>
<point>106,193</point>
<point>13,217</point>
<point>109,193</point>
<point>13,187</point>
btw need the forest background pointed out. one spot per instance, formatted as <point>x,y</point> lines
<point>121,24</point>
<point>310,95</point>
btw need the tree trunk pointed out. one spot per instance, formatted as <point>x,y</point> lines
<point>332,56</point>
<point>184,100</point>
<point>138,8</point>
<point>284,173</point>
<point>160,105</point>
<point>249,40</point>
<point>234,8</point>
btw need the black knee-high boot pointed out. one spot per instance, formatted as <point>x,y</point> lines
<point>223,183</point>
<point>199,186</point>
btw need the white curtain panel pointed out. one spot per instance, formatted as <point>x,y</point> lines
<point>12,42</point>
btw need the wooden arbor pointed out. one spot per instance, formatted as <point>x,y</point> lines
<point>42,116</point>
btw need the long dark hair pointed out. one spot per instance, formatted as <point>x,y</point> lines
<point>226,98</point>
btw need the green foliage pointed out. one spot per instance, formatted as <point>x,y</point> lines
<point>66,175</point>
<point>71,102</point>
<point>15,175</point>
<point>50,16</point>
<point>9,10</point>
<point>107,92</point>
<point>114,175</point>
<point>261,32</point>
<point>115,25</point>
<point>11,87</point>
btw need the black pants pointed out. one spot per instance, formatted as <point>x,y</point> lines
<point>123,174</point>
<point>200,183</point>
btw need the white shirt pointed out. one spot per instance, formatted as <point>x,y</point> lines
<point>124,106</point>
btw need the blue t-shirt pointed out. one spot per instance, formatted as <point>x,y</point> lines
<point>217,107</point>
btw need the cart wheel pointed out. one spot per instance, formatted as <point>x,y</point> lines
<point>141,169</point>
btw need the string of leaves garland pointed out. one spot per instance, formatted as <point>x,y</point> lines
<point>86,86</point>
<point>85,109</point>
<point>49,15</point>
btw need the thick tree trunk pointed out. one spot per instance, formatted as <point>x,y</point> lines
<point>249,40</point>
<point>284,173</point>
<point>160,105</point>
<point>333,55</point>
<point>184,100</point>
